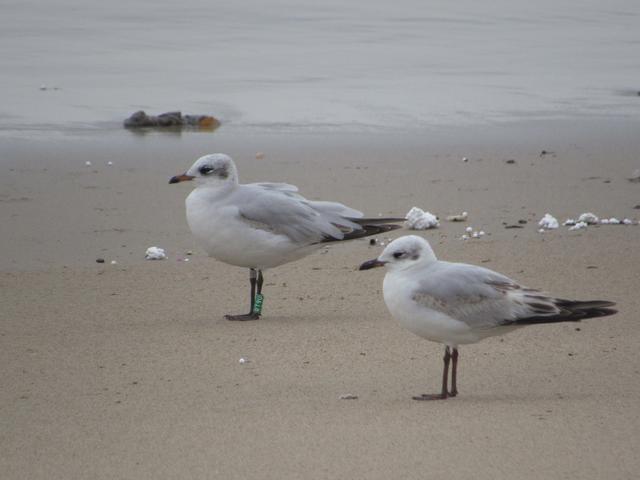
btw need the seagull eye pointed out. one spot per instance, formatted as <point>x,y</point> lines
<point>205,170</point>
<point>398,254</point>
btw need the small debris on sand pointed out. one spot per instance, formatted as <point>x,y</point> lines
<point>471,233</point>
<point>348,396</point>
<point>635,176</point>
<point>259,155</point>
<point>462,217</point>
<point>99,260</point>
<point>549,222</point>
<point>155,253</point>
<point>418,219</point>
<point>588,218</point>
<point>578,226</point>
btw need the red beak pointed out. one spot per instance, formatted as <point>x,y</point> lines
<point>181,178</point>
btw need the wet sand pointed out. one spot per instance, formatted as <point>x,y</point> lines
<point>129,370</point>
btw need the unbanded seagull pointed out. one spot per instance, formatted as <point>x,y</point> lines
<point>457,303</point>
<point>263,225</point>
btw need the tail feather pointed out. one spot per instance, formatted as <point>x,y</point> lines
<point>583,305</point>
<point>368,228</point>
<point>573,311</point>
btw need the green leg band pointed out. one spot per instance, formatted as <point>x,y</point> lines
<point>257,306</point>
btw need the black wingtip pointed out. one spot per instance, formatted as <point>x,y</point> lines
<point>584,304</point>
<point>573,311</point>
<point>366,231</point>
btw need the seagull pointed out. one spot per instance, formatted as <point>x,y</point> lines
<point>457,303</point>
<point>263,225</point>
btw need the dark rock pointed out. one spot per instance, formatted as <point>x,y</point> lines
<point>169,119</point>
<point>140,119</point>
<point>348,396</point>
<point>99,260</point>
<point>511,161</point>
<point>513,226</point>
<point>372,241</point>
<point>202,121</point>
<point>522,222</point>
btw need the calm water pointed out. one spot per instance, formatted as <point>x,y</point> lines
<point>341,65</point>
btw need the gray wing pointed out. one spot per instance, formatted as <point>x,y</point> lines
<point>479,297</point>
<point>284,187</point>
<point>278,208</point>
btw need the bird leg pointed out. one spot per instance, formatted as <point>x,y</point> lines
<point>454,373</point>
<point>252,315</point>
<point>445,377</point>
<point>260,281</point>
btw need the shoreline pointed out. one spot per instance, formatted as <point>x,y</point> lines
<point>518,130</point>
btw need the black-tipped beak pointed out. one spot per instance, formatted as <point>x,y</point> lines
<point>371,264</point>
<point>180,178</point>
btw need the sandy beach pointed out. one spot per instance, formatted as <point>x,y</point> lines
<point>129,370</point>
<point>126,369</point>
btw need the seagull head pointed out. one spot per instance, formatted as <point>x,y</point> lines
<point>213,169</point>
<point>404,252</point>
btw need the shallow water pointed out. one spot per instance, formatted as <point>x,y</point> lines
<point>317,66</point>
